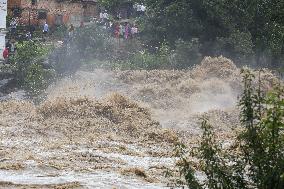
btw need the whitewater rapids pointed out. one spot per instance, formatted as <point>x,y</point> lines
<point>115,129</point>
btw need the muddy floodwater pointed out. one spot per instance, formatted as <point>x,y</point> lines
<point>114,129</point>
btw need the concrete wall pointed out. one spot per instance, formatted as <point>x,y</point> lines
<point>2,44</point>
<point>3,14</point>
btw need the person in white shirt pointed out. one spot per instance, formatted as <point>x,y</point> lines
<point>135,6</point>
<point>45,28</point>
<point>101,16</point>
<point>105,16</point>
<point>13,25</point>
<point>13,47</point>
<point>143,8</point>
<point>138,8</point>
<point>134,31</point>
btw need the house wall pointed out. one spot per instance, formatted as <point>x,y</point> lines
<point>3,14</point>
<point>57,11</point>
<point>13,3</point>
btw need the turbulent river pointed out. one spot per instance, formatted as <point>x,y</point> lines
<point>114,129</point>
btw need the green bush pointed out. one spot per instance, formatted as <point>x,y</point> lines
<point>87,43</point>
<point>238,45</point>
<point>263,138</point>
<point>37,78</point>
<point>257,158</point>
<point>186,53</point>
<point>60,32</point>
<point>96,43</point>
<point>28,66</point>
<point>149,61</point>
<point>146,60</point>
<point>93,41</point>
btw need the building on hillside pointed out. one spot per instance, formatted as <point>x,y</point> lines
<point>54,12</point>
<point>3,15</point>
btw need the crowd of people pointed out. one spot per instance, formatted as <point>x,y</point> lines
<point>119,29</point>
<point>125,30</point>
<point>10,46</point>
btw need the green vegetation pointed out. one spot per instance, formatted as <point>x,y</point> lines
<point>88,43</point>
<point>256,160</point>
<point>241,30</point>
<point>28,66</point>
<point>173,35</point>
<point>60,32</point>
<point>95,45</point>
<point>246,31</point>
<point>177,34</point>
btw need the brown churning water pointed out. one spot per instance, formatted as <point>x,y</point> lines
<point>117,121</point>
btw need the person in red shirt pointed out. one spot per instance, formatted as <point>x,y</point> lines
<point>6,55</point>
<point>116,31</point>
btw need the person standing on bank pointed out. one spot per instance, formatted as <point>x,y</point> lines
<point>71,31</point>
<point>6,55</point>
<point>45,28</point>
<point>8,45</point>
<point>127,31</point>
<point>13,26</point>
<point>13,48</point>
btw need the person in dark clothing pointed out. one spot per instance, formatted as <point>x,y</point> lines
<point>32,30</point>
<point>8,45</point>
<point>13,26</point>
<point>13,47</point>
<point>71,31</point>
<point>28,35</point>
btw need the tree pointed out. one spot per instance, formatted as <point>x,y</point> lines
<point>219,25</point>
<point>112,5</point>
<point>28,66</point>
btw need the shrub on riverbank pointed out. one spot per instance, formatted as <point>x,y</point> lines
<point>28,66</point>
<point>256,159</point>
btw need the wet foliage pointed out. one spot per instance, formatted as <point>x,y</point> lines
<point>246,31</point>
<point>255,159</point>
<point>28,65</point>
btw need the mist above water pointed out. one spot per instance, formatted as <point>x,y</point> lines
<point>100,120</point>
